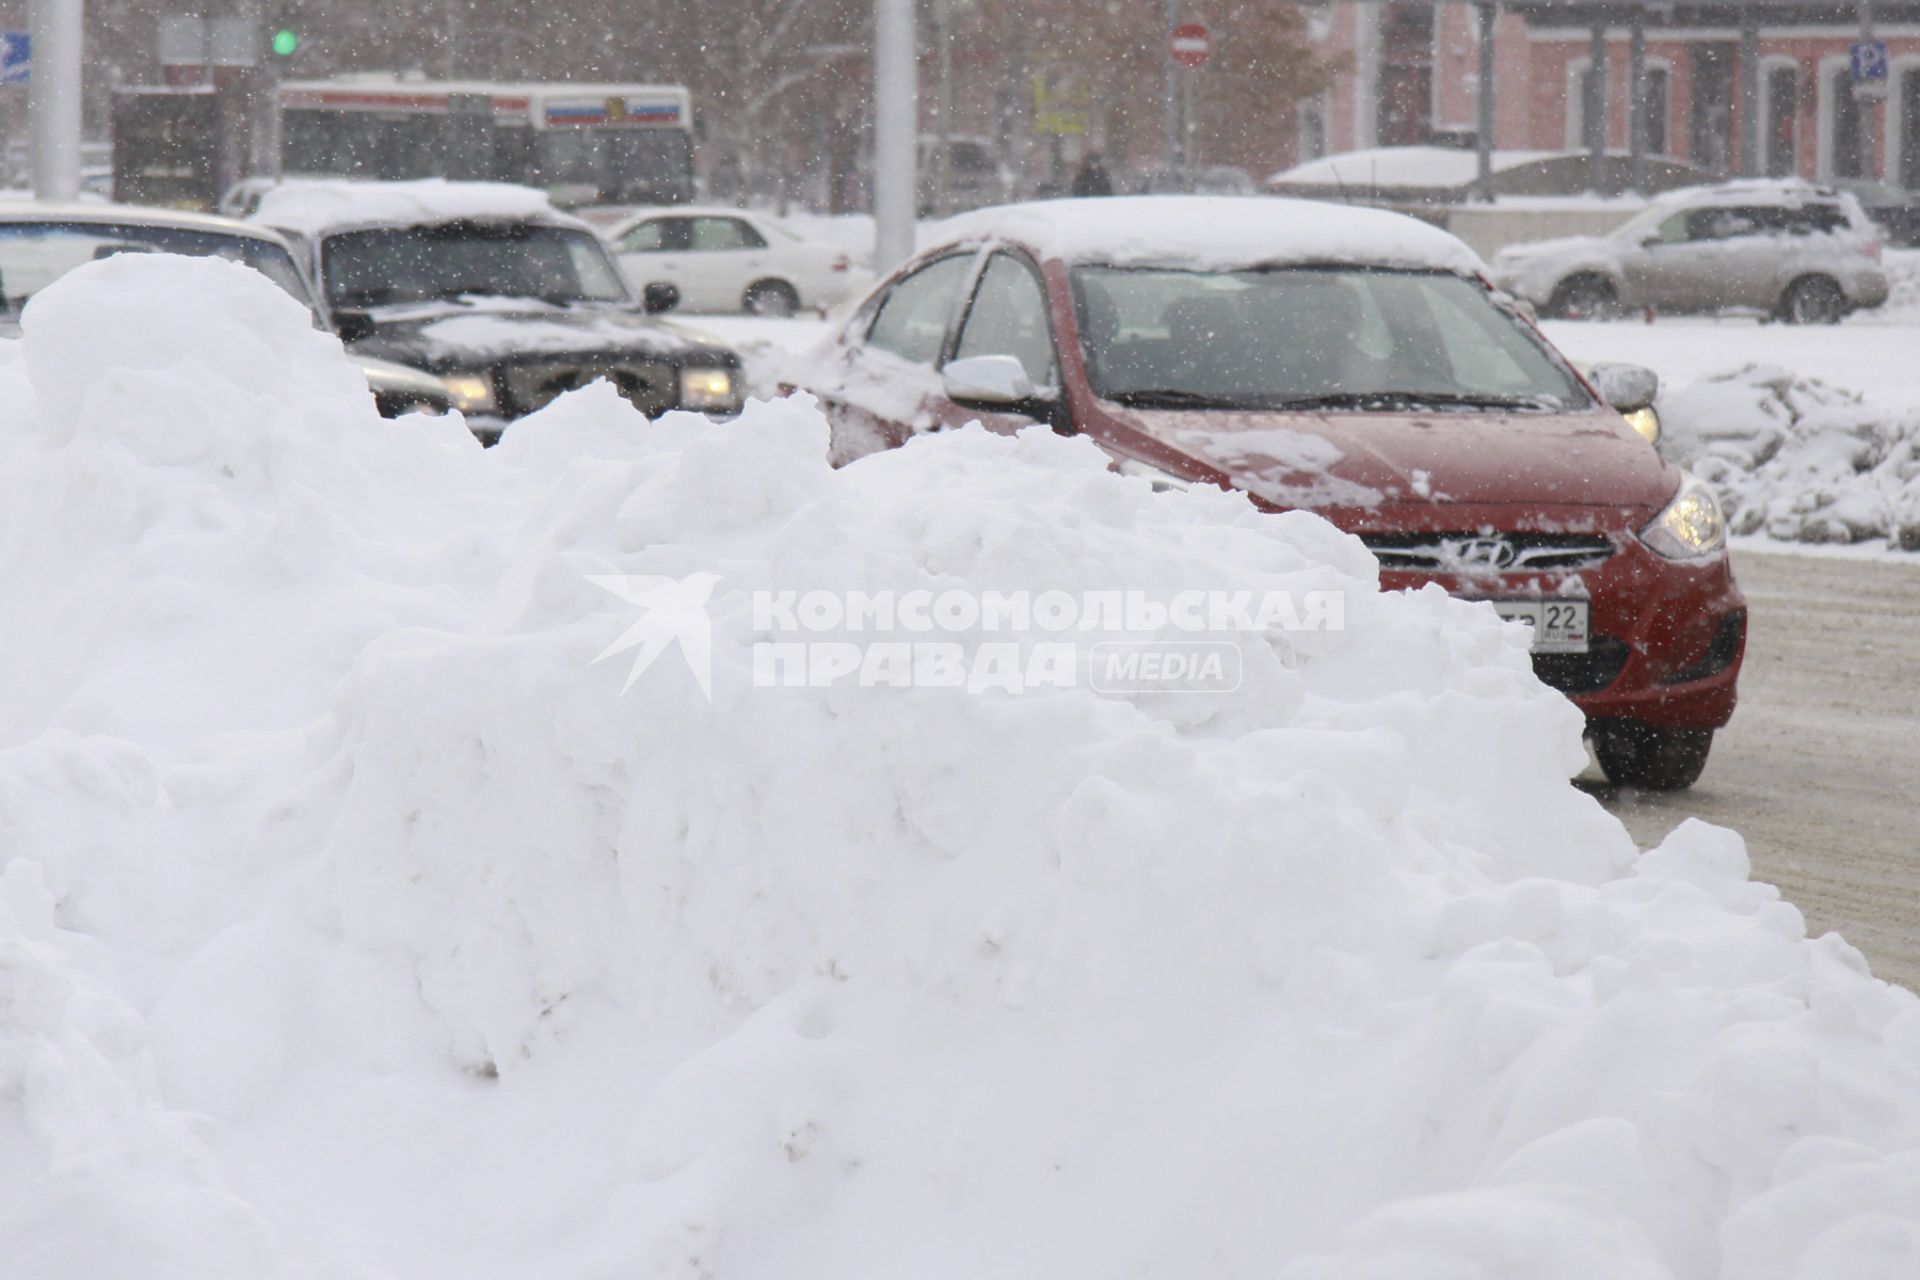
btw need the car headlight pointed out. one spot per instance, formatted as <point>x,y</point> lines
<point>1160,480</point>
<point>470,392</point>
<point>1691,526</point>
<point>1646,422</point>
<point>706,389</point>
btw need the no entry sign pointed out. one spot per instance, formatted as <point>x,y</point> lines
<point>1191,44</point>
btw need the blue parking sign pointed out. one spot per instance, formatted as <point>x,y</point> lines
<point>1869,61</point>
<point>16,57</point>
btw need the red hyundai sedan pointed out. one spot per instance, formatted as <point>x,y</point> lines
<point>1350,361</point>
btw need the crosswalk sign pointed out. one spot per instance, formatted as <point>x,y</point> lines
<point>16,57</point>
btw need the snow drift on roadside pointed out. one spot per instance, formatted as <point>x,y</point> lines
<point>353,923</point>
<point>1798,460</point>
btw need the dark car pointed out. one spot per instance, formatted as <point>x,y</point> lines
<point>1353,362</point>
<point>487,287</point>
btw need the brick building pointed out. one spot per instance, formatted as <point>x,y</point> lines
<point>1760,87</point>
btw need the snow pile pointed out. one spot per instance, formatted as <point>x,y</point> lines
<point>1799,460</point>
<point>353,924</point>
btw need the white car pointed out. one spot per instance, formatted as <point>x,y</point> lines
<point>725,259</point>
<point>1800,253</point>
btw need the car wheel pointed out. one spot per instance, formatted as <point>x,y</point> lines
<point>1650,758</point>
<point>771,298</point>
<point>1585,298</point>
<point>1813,300</point>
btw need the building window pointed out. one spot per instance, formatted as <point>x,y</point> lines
<point>1844,125</point>
<point>1653,112</point>
<point>1783,119</point>
<point>1405,87</point>
<point>1712,106</point>
<point>1313,129</point>
<point>1591,121</point>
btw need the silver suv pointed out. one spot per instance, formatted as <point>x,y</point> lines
<point>1790,250</point>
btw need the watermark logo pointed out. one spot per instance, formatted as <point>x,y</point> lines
<point>1120,642</point>
<point>673,613</point>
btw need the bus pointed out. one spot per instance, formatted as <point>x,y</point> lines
<point>584,144</point>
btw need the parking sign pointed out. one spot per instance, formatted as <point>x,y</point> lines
<point>1869,61</point>
<point>16,57</point>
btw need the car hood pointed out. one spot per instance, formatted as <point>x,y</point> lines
<point>458,335</point>
<point>1365,461</point>
<point>1564,248</point>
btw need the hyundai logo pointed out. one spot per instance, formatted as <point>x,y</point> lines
<point>1483,553</point>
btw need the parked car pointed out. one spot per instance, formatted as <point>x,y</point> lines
<point>489,288</point>
<point>1351,361</point>
<point>725,259</point>
<point>1787,249</point>
<point>41,243</point>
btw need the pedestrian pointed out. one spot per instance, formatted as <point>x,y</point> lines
<point>1092,179</point>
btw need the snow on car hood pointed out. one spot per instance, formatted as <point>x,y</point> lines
<point>1324,460</point>
<point>355,922</point>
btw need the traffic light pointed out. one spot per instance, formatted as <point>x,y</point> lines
<point>285,41</point>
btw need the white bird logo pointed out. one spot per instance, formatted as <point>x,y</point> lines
<point>676,613</point>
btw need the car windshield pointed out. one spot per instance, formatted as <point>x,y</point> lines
<point>35,254</point>
<point>1331,337</point>
<point>391,265</point>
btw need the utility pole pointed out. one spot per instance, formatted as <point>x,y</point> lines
<point>896,126</point>
<point>1864,106</point>
<point>943,165</point>
<point>1172,91</point>
<point>53,98</point>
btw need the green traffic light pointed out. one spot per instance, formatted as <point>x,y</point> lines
<point>285,42</point>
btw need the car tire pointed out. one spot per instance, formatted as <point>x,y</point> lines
<point>1584,297</point>
<point>1813,300</point>
<point>1639,755</point>
<point>771,298</point>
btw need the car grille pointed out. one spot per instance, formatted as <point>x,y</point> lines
<point>649,384</point>
<point>1587,672</point>
<point>1530,552</point>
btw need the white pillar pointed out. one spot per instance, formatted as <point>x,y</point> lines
<point>896,124</point>
<point>53,98</point>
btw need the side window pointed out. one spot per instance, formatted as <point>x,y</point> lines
<point>1674,230</point>
<point>913,317</point>
<point>711,235</point>
<point>659,235</point>
<point>1009,318</point>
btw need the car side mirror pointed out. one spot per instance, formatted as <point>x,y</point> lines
<point>659,296</point>
<point>1627,387</point>
<point>352,326</point>
<point>993,381</point>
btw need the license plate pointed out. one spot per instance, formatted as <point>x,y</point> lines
<point>1559,626</point>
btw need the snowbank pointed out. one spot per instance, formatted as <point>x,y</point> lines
<point>353,923</point>
<point>1798,460</point>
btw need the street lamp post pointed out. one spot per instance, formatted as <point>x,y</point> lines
<point>53,98</point>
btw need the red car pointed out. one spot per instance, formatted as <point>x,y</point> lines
<point>1350,361</point>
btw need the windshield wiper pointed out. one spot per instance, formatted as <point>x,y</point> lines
<point>1389,400</point>
<point>1180,398</point>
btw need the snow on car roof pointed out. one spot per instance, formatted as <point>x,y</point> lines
<point>128,215</point>
<point>320,207</point>
<point>1761,191</point>
<point>1214,231</point>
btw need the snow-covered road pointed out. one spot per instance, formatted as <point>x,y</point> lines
<point>1818,769</point>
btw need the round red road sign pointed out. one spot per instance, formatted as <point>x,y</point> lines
<point>1191,45</point>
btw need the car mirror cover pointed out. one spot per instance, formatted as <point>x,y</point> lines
<point>1627,387</point>
<point>992,380</point>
